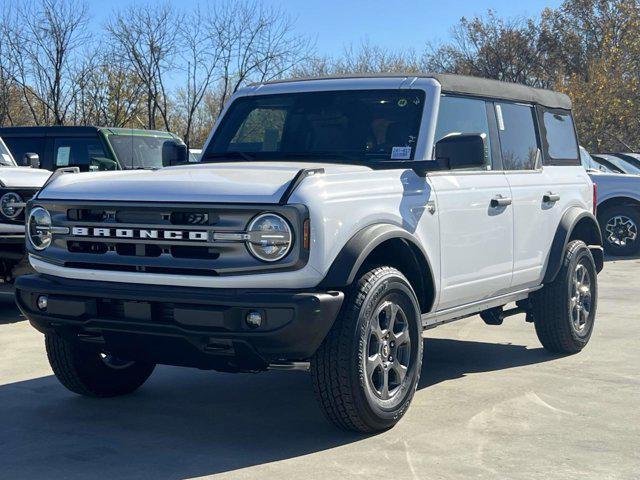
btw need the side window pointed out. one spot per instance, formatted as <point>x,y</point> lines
<point>518,140</point>
<point>76,151</point>
<point>559,136</point>
<point>21,145</point>
<point>463,115</point>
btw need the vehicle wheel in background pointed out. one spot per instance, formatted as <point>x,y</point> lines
<point>87,371</point>
<point>564,311</point>
<point>620,227</point>
<point>367,369</point>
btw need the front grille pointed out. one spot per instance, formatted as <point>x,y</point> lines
<point>163,238</point>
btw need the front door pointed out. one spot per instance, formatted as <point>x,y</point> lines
<point>476,217</point>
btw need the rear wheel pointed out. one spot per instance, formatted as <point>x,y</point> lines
<point>367,369</point>
<point>87,371</point>
<point>564,311</point>
<point>620,227</point>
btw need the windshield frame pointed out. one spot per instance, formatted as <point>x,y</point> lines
<point>422,157</point>
<point>4,150</point>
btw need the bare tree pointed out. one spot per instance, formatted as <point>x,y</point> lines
<point>109,92</point>
<point>200,56</point>
<point>43,41</point>
<point>146,38</point>
<point>257,44</point>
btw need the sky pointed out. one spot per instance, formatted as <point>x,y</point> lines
<point>393,24</point>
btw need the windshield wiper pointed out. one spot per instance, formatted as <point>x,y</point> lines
<point>228,156</point>
<point>322,155</point>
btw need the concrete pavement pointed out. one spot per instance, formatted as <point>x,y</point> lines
<point>491,404</point>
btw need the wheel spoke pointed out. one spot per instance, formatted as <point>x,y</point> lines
<point>401,370</point>
<point>373,362</point>
<point>401,337</point>
<point>384,391</point>
<point>376,329</point>
<point>392,312</point>
<point>585,313</point>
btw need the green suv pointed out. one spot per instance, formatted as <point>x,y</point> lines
<point>93,148</point>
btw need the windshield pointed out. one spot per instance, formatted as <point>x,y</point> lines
<point>6,159</point>
<point>356,126</point>
<point>138,151</point>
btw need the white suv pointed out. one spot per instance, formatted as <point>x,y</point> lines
<point>330,223</point>
<point>17,186</point>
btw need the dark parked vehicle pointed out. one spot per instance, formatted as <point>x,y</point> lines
<point>93,148</point>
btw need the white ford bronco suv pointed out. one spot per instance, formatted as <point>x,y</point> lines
<point>17,186</point>
<point>330,222</point>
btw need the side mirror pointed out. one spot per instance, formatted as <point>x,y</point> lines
<point>174,153</point>
<point>103,163</point>
<point>31,159</point>
<point>468,150</point>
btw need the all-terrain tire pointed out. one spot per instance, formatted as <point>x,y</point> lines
<point>620,223</point>
<point>84,371</point>
<point>555,307</point>
<point>343,386</point>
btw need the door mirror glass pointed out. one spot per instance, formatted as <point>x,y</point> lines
<point>174,153</point>
<point>458,151</point>
<point>31,159</point>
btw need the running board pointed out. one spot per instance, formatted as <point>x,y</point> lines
<point>431,320</point>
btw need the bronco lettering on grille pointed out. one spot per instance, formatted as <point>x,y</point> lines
<point>141,233</point>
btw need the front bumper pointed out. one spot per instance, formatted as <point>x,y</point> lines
<point>186,326</point>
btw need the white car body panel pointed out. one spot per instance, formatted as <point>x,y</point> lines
<point>23,177</point>
<point>616,185</point>
<point>476,258</point>
<point>536,222</point>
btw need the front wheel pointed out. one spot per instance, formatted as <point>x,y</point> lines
<point>564,311</point>
<point>367,369</point>
<point>90,372</point>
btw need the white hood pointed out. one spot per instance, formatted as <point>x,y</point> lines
<point>23,177</point>
<point>240,182</point>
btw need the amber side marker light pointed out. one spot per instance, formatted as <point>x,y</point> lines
<point>306,234</point>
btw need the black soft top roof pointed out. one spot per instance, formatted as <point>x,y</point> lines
<point>476,86</point>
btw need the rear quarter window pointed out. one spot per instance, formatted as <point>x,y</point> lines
<point>559,137</point>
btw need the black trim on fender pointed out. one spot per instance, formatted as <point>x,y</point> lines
<point>297,180</point>
<point>567,225</point>
<point>353,255</point>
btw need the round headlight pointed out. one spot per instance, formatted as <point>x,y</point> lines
<point>270,237</point>
<point>39,228</point>
<point>11,205</point>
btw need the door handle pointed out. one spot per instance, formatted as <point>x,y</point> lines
<point>500,201</point>
<point>551,197</point>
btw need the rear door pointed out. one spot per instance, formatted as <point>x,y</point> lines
<point>476,235</point>
<point>539,192</point>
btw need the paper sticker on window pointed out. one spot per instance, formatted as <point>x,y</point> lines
<point>401,153</point>
<point>62,159</point>
<point>500,118</point>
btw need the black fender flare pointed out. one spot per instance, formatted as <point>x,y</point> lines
<point>590,230</point>
<point>346,265</point>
